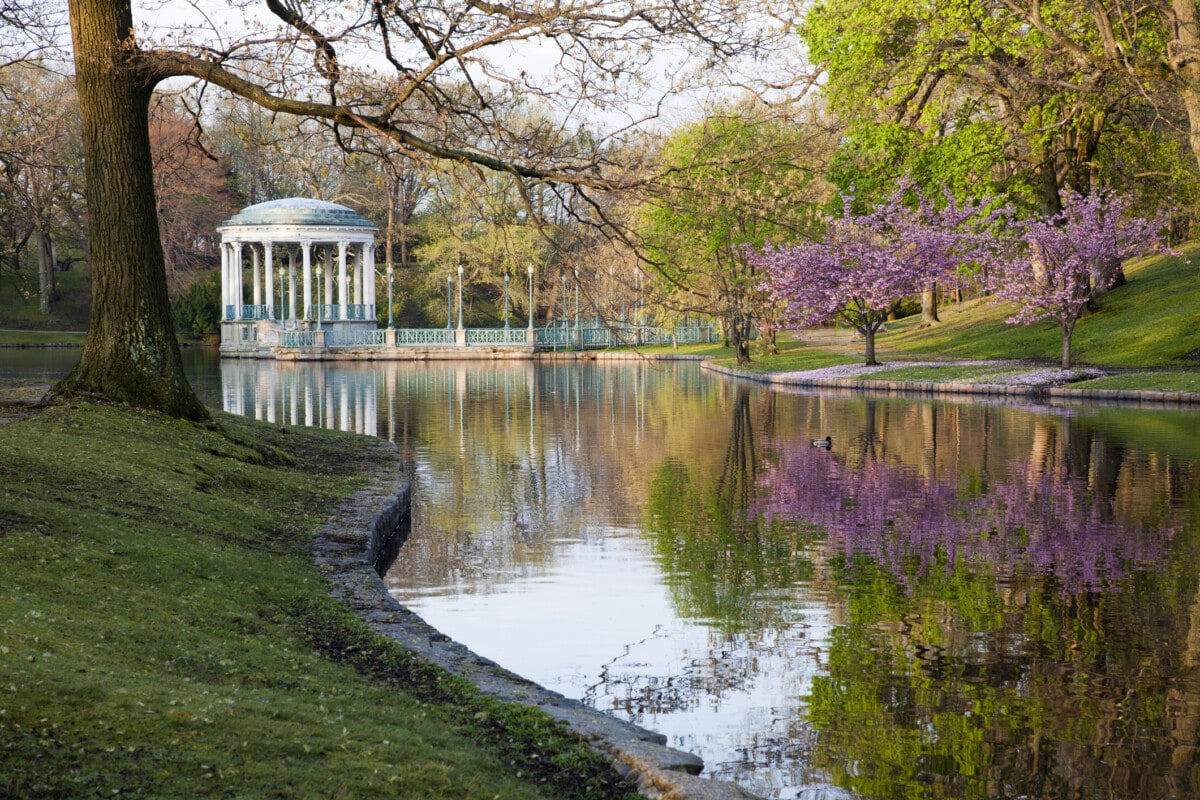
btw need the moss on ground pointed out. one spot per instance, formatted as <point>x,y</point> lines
<point>164,633</point>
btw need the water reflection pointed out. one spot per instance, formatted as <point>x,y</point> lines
<point>954,600</point>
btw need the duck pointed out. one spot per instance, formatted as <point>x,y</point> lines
<point>827,442</point>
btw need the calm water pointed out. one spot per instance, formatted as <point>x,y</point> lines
<point>955,600</point>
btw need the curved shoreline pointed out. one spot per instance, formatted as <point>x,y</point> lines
<point>371,525</point>
<point>959,389</point>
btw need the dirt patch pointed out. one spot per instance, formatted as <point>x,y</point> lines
<point>18,398</point>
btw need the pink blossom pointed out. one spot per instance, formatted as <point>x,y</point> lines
<point>1069,257</point>
<point>866,262</point>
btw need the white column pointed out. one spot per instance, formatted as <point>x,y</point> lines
<point>292,286</point>
<point>238,279</point>
<point>342,279</point>
<point>306,246</point>
<point>370,279</point>
<point>269,268</point>
<point>224,278</point>
<point>328,297</point>
<point>358,275</point>
<point>257,275</point>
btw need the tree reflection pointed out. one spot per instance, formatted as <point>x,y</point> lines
<point>717,556</point>
<point>1051,523</point>
<point>1005,636</point>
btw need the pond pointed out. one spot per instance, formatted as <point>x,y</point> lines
<point>954,599</point>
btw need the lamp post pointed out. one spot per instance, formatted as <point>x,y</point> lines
<point>564,301</point>
<point>460,308</point>
<point>320,308</point>
<point>576,299</point>
<point>506,325</point>
<point>449,291</point>
<point>282,307</point>
<point>529,269</point>
<point>390,272</point>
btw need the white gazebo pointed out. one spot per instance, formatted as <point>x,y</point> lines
<point>310,264</point>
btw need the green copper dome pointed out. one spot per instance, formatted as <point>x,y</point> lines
<point>298,211</point>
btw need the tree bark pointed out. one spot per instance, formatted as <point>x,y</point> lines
<point>929,315</point>
<point>770,344</point>
<point>1066,345</point>
<point>739,338</point>
<point>131,354</point>
<point>869,341</point>
<point>1183,55</point>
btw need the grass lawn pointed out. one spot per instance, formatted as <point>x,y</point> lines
<point>40,338</point>
<point>941,374</point>
<point>164,633</point>
<point>1152,381</point>
<point>1151,321</point>
<point>794,355</point>
<point>20,304</point>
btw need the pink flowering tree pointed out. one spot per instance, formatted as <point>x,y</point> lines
<point>1067,259</point>
<point>866,262</point>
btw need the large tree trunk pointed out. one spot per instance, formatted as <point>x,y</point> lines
<point>1183,55</point>
<point>929,315</point>
<point>739,338</point>
<point>131,354</point>
<point>770,343</point>
<point>868,333</point>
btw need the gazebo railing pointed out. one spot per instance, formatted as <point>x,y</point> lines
<point>255,312</point>
<point>553,337</point>
<point>297,338</point>
<point>495,336</point>
<point>327,311</point>
<point>424,337</point>
<point>356,338</point>
<point>557,337</point>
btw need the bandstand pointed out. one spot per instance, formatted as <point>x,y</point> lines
<point>310,267</point>
<point>298,282</point>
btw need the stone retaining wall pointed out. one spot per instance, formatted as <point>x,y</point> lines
<point>373,523</point>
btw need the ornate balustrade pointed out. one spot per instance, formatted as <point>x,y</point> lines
<point>424,337</point>
<point>495,336</point>
<point>556,338</point>
<point>297,338</point>
<point>356,338</point>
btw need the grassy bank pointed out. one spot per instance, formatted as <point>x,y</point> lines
<point>14,338</point>
<point>1151,321</point>
<point>163,632</point>
<point>1147,333</point>
<point>20,306</point>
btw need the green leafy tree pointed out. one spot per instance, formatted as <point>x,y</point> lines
<point>999,94</point>
<point>197,311</point>
<point>732,182</point>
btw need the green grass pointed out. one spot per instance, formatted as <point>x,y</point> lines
<point>940,374</point>
<point>711,350</point>
<point>164,633</point>
<point>1148,381</point>
<point>1151,321</point>
<point>20,306</point>
<point>40,338</point>
<point>794,356</point>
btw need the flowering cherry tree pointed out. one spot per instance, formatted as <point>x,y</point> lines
<point>1069,257</point>
<point>866,262</point>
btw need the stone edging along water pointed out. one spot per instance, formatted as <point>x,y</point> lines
<point>952,389</point>
<point>361,538</point>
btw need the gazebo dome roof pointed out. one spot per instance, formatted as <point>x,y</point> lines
<point>298,211</point>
